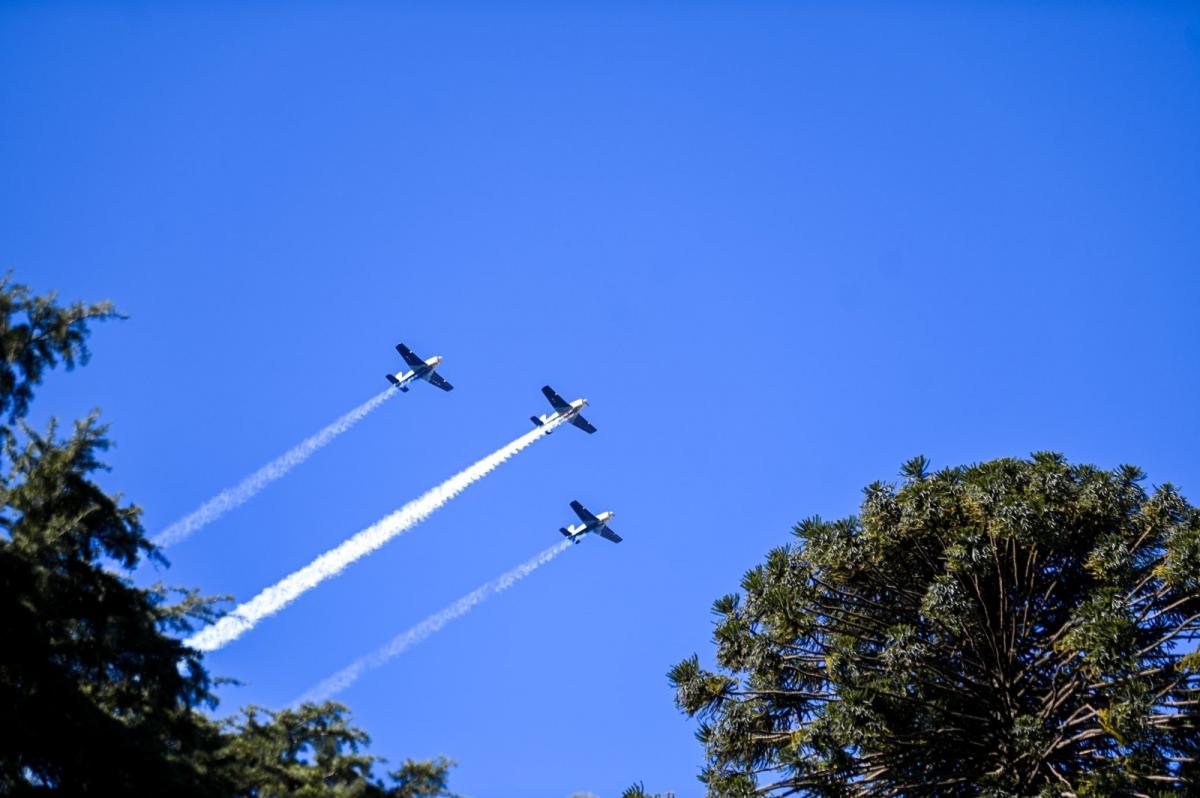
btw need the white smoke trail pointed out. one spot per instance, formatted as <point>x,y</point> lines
<point>434,623</point>
<point>245,490</point>
<point>334,561</point>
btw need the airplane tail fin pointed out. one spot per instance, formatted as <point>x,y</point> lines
<point>565,531</point>
<point>392,379</point>
<point>537,422</point>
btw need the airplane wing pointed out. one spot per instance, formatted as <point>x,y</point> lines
<point>556,400</point>
<point>583,424</point>
<point>409,357</point>
<point>439,381</point>
<point>608,534</point>
<point>584,514</point>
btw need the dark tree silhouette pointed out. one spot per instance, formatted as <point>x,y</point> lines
<point>97,694</point>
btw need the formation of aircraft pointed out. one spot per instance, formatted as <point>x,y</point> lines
<point>591,523</point>
<point>420,370</point>
<point>566,411</point>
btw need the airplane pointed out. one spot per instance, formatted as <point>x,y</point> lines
<point>591,523</point>
<point>568,411</point>
<point>421,370</point>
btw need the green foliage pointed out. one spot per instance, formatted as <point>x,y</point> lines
<point>88,678</point>
<point>422,779</point>
<point>35,334</point>
<point>97,694</point>
<point>314,751</point>
<point>1018,627</point>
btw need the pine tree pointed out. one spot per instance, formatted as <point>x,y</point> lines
<point>97,693</point>
<point>314,751</point>
<point>1018,627</point>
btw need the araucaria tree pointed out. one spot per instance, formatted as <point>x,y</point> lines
<point>1014,628</point>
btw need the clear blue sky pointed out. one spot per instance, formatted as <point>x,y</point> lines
<point>781,249</point>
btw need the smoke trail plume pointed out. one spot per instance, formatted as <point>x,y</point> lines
<point>434,623</point>
<point>334,561</point>
<point>245,490</point>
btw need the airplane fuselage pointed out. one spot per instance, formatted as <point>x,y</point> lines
<point>401,381</point>
<point>565,415</point>
<point>575,532</point>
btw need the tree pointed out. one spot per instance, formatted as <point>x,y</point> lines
<point>97,693</point>
<point>639,791</point>
<point>1018,627</point>
<point>313,751</point>
<point>35,334</point>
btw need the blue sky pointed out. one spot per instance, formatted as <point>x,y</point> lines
<point>781,249</point>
